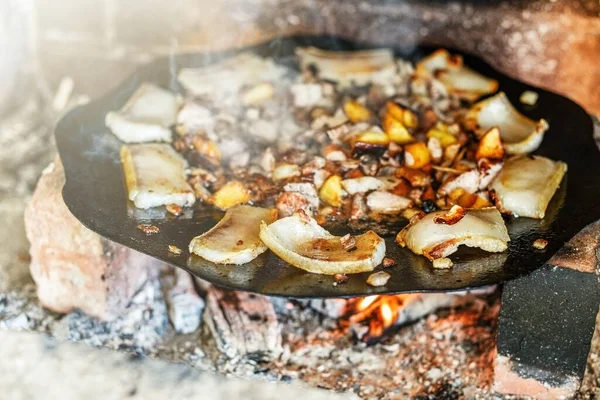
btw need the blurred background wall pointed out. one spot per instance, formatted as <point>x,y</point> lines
<point>555,44</point>
<point>16,51</point>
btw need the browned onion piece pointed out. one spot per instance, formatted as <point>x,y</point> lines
<point>234,240</point>
<point>526,184</point>
<point>300,241</point>
<point>483,228</point>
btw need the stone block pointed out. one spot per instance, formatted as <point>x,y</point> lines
<point>545,330</point>
<point>73,267</point>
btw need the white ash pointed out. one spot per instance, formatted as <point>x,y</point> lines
<point>72,371</point>
<point>312,350</point>
<point>299,316</point>
<point>333,308</point>
<point>140,329</point>
<point>284,306</point>
<point>20,311</point>
<point>14,247</point>
<point>184,305</point>
<point>417,306</point>
<point>185,348</point>
<point>399,365</point>
<point>243,326</point>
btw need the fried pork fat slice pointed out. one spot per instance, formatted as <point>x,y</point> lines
<point>520,135</point>
<point>155,176</point>
<point>348,67</point>
<point>439,234</point>
<point>225,78</point>
<point>146,117</point>
<point>458,79</point>
<point>300,241</point>
<point>234,240</point>
<point>526,184</point>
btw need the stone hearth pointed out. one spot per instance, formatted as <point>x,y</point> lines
<point>150,310</point>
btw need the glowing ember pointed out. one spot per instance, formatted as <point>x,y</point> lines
<point>366,302</point>
<point>387,315</point>
<point>378,313</point>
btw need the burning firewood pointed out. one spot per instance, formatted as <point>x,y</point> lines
<point>243,325</point>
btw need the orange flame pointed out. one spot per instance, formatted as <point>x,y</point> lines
<point>364,303</point>
<point>387,315</point>
<point>379,312</point>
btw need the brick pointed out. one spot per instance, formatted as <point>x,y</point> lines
<point>73,267</point>
<point>545,330</point>
<point>35,366</point>
<point>510,381</point>
<point>578,75</point>
<point>579,253</point>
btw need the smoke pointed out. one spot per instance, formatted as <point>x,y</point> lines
<point>102,147</point>
<point>173,85</point>
<point>15,53</point>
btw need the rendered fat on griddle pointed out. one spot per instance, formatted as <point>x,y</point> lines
<point>234,240</point>
<point>155,176</point>
<point>526,184</point>
<point>146,117</point>
<point>483,228</point>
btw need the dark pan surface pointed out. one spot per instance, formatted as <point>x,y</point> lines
<point>95,193</point>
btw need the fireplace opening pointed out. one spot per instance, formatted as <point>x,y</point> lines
<point>527,337</point>
<point>378,313</point>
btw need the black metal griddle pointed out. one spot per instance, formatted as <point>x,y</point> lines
<point>95,193</point>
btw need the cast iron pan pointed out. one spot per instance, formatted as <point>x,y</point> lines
<point>95,193</point>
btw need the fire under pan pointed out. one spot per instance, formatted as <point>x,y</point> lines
<point>95,193</point>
